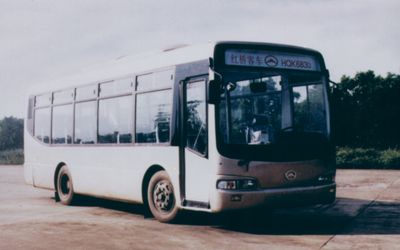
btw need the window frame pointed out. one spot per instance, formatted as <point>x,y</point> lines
<point>135,116</point>
<point>50,108</point>
<point>324,99</point>
<point>96,102</point>
<point>98,118</point>
<point>72,120</point>
<point>149,90</point>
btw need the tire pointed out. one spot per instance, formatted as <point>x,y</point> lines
<point>64,187</point>
<point>161,198</point>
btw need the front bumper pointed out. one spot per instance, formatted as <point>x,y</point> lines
<point>277,197</point>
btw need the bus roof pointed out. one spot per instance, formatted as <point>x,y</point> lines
<point>128,66</point>
<point>144,62</point>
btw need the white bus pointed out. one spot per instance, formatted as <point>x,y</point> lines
<point>224,126</point>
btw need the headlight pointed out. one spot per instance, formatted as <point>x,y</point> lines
<point>228,185</point>
<point>242,184</point>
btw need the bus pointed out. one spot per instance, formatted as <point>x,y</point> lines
<point>225,126</point>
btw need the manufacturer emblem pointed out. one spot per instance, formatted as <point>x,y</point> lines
<point>290,175</point>
<point>271,61</point>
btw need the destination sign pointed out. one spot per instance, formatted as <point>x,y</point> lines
<point>266,59</point>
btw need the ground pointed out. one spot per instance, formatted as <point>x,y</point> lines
<point>366,215</point>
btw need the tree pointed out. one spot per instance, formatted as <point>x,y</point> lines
<point>366,110</point>
<point>11,133</point>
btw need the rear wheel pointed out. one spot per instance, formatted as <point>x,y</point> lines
<point>64,187</point>
<point>161,197</point>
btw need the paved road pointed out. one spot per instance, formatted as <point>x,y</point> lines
<point>366,215</point>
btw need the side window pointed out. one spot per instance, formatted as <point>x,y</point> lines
<point>115,120</point>
<point>62,124</point>
<point>309,108</point>
<point>196,125</point>
<point>42,125</point>
<point>62,97</point>
<point>43,100</point>
<point>85,122</point>
<point>157,80</point>
<point>116,87</point>
<point>153,115</point>
<point>86,92</point>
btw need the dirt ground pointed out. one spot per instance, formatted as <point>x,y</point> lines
<point>366,215</point>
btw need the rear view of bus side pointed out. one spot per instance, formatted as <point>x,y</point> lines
<point>217,127</point>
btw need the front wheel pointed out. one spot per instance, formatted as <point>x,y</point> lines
<point>64,187</point>
<point>161,197</point>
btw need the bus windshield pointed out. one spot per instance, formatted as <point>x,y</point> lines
<point>257,109</point>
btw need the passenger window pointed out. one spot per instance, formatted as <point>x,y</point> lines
<point>42,125</point>
<point>116,87</point>
<point>153,117</point>
<point>161,79</point>
<point>66,96</point>
<point>62,124</point>
<point>85,122</point>
<point>196,126</point>
<point>86,92</point>
<point>43,100</point>
<point>115,120</point>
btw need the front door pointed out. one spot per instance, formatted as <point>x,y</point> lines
<point>196,165</point>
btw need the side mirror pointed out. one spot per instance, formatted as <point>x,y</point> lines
<point>231,86</point>
<point>327,74</point>
<point>214,94</point>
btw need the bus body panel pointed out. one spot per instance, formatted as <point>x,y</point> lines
<point>102,171</point>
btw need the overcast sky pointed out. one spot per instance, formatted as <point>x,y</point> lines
<point>42,40</point>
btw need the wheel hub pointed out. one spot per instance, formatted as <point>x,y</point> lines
<point>163,196</point>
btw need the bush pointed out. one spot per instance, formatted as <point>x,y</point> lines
<point>390,158</point>
<point>347,157</point>
<point>12,157</point>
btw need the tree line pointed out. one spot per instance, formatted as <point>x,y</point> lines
<point>11,133</point>
<point>365,112</point>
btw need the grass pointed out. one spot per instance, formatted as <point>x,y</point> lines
<point>12,157</point>
<point>347,157</point>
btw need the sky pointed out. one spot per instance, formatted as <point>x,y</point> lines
<point>42,40</point>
